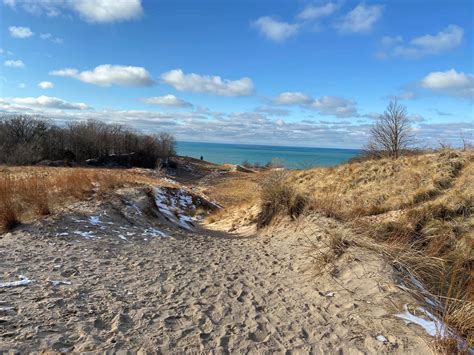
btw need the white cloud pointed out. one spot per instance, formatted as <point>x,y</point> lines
<point>312,12</point>
<point>447,39</point>
<point>20,32</point>
<point>274,29</point>
<point>361,19</point>
<point>207,84</point>
<point>46,85</point>
<point>325,105</point>
<point>103,11</point>
<point>14,63</point>
<point>50,37</point>
<point>335,106</point>
<point>450,82</point>
<point>95,11</point>
<point>107,75</point>
<point>167,101</point>
<point>292,98</point>
<point>41,102</point>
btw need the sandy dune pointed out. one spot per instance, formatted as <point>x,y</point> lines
<point>195,291</point>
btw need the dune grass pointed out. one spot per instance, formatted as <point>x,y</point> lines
<point>416,210</point>
<point>29,192</point>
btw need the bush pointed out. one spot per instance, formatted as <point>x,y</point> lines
<point>279,196</point>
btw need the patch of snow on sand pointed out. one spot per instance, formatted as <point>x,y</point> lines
<point>173,204</point>
<point>87,235</point>
<point>153,232</point>
<point>59,282</point>
<point>432,326</point>
<point>24,281</point>
<point>94,220</point>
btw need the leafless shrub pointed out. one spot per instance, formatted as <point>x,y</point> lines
<point>390,135</point>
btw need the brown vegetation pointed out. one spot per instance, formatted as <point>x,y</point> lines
<point>278,196</point>
<point>28,192</point>
<point>416,210</point>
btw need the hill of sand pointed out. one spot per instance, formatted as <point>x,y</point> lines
<point>138,269</point>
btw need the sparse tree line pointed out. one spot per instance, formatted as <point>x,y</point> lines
<point>28,140</point>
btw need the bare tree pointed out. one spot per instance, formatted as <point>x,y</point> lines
<point>391,134</point>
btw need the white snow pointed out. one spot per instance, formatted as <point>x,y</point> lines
<point>432,326</point>
<point>329,294</point>
<point>24,281</point>
<point>174,203</point>
<point>87,235</point>
<point>94,220</point>
<point>153,232</point>
<point>6,309</point>
<point>59,282</point>
<point>121,236</point>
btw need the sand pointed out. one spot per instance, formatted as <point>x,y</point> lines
<point>140,282</point>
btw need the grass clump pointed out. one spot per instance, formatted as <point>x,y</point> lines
<point>29,192</point>
<point>279,196</point>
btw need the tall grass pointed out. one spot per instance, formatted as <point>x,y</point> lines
<point>417,211</point>
<point>279,196</point>
<point>26,193</point>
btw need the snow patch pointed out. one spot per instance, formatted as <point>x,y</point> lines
<point>59,282</point>
<point>431,326</point>
<point>24,281</point>
<point>87,235</point>
<point>153,232</point>
<point>94,220</point>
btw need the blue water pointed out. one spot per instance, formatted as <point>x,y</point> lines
<point>291,157</point>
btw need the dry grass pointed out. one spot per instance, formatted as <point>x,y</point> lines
<point>373,187</point>
<point>29,192</point>
<point>279,196</point>
<point>417,211</point>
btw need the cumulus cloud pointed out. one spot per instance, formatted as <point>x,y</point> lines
<point>40,102</point>
<point>96,11</point>
<point>166,101</point>
<point>46,85</point>
<point>450,82</point>
<point>447,39</point>
<point>14,63</point>
<point>313,12</point>
<point>207,84</point>
<point>325,105</point>
<point>20,32</point>
<point>274,29</point>
<point>361,19</point>
<point>107,75</point>
<point>103,11</point>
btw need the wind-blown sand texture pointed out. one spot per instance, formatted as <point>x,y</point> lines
<point>139,281</point>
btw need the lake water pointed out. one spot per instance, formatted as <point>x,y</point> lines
<point>291,157</point>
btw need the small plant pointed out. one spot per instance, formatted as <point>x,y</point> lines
<point>279,196</point>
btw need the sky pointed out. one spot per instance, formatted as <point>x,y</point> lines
<point>293,73</point>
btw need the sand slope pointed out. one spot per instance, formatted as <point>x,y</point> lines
<point>198,291</point>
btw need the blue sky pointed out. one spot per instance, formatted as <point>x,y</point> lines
<point>311,73</point>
